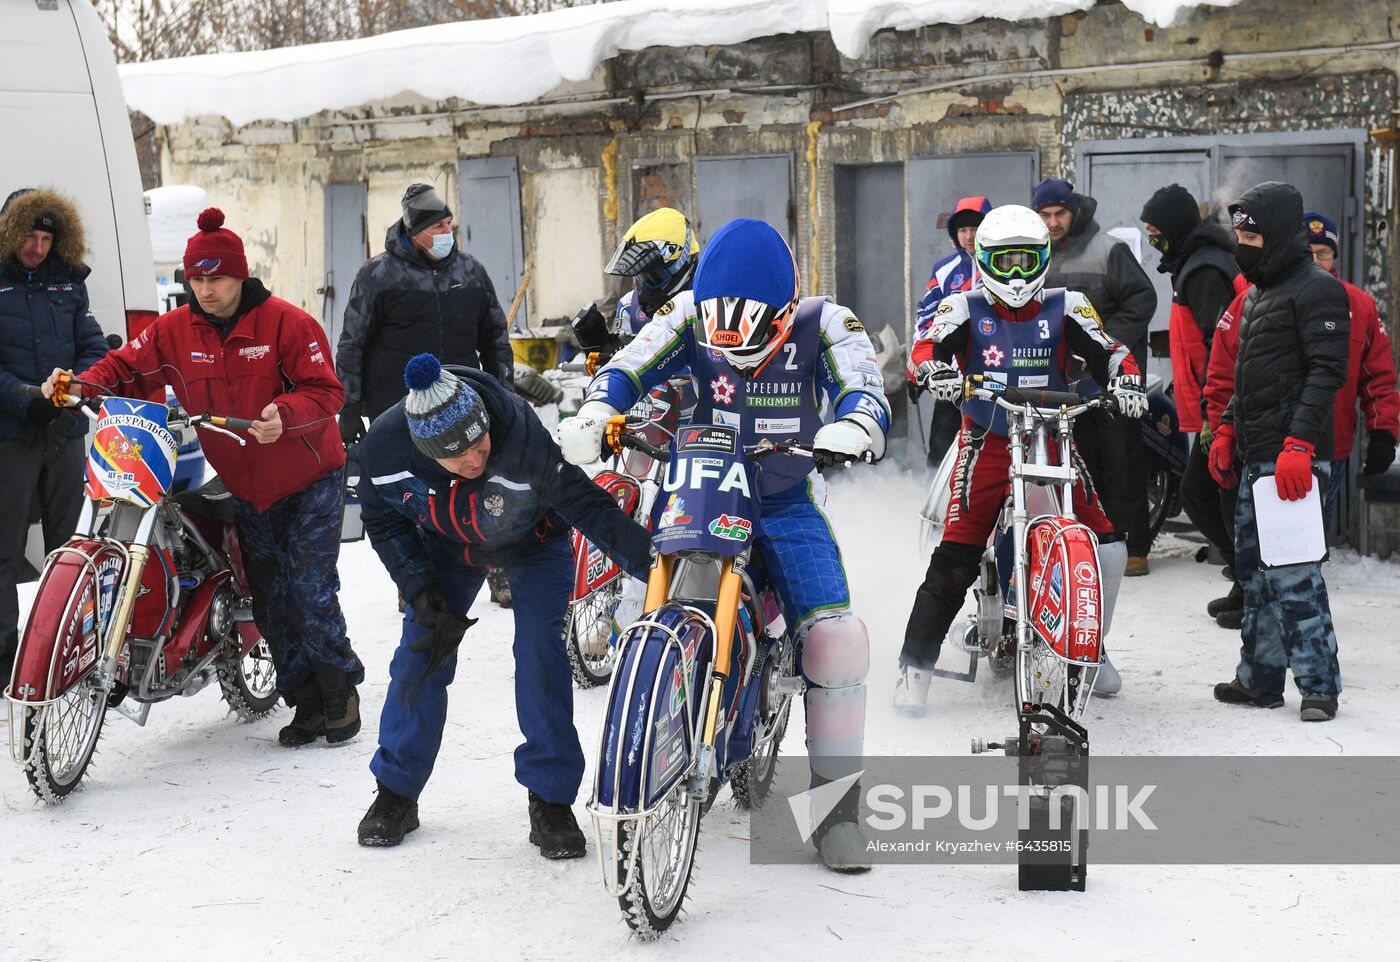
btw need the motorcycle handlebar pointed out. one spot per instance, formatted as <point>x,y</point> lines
<point>75,400</point>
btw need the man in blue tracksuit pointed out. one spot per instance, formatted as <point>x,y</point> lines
<point>766,362</point>
<point>457,476</point>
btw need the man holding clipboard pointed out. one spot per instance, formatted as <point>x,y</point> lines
<point>1293,353</point>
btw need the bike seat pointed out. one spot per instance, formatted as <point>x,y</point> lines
<point>210,500</point>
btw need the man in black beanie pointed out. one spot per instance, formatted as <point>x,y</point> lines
<point>1199,256</point>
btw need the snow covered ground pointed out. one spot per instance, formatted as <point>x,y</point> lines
<point>200,837</point>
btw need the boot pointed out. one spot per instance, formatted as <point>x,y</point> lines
<point>1136,568</point>
<point>1234,601</point>
<point>1108,681</point>
<point>1318,708</point>
<point>389,819</point>
<point>500,586</point>
<point>1232,619</point>
<point>1233,693</point>
<point>309,720</point>
<point>838,837</point>
<point>341,704</point>
<point>911,691</point>
<point>554,829</point>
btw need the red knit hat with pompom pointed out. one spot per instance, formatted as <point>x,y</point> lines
<point>215,251</point>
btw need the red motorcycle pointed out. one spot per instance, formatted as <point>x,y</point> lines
<point>146,601</point>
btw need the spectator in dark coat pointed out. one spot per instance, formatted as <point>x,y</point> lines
<point>1200,257</point>
<point>44,323</point>
<point>1100,266</point>
<point>1293,355</point>
<point>423,293</point>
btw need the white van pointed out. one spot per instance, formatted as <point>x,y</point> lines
<point>64,125</point>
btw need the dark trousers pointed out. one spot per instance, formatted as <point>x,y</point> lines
<point>289,554</point>
<point>48,468</point>
<point>1210,507</point>
<point>1111,448</point>
<point>550,762</point>
<point>943,430</point>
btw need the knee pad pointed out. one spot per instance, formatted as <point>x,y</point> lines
<point>836,652</point>
<point>1113,558</point>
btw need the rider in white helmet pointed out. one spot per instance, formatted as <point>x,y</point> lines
<point>1011,330</point>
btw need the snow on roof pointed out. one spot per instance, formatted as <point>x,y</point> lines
<point>515,60</point>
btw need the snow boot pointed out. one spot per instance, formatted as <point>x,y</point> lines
<point>1108,681</point>
<point>341,704</point>
<point>554,829</point>
<point>1136,567</point>
<point>911,691</point>
<point>389,819</point>
<point>1233,693</point>
<point>1318,708</point>
<point>309,720</point>
<point>500,586</point>
<point>1231,618</point>
<point>1234,601</point>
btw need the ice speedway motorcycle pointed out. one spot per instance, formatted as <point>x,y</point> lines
<point>632,477</point>
<point>704,681</point>
<point>146,601</point>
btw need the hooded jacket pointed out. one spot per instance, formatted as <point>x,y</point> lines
<point>419,516</point>
<point>45,321</point>
<point>404,303</point>
<point>1205,278</point>
<point>1101,267</point>
<point>1294,336</point>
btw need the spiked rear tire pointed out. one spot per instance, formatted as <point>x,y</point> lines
<point>249,682</point>
<point>585,619</point>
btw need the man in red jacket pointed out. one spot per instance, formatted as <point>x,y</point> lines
<point>236,350</point>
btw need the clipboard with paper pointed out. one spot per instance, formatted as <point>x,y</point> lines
<point>1290,532</point>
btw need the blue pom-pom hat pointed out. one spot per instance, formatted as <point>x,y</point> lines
<point>445,415</point>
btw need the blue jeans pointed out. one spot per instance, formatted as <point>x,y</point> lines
<point>550,762</point>
<point>1287,619</point>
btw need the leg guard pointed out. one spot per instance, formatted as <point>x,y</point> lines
<point>1113,558</point>
<point>835,657</point>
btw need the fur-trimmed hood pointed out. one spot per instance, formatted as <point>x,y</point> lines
<point>70,244</point>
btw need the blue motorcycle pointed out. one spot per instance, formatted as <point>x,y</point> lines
<point>704,682</point>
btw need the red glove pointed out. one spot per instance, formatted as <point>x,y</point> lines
<point>1222,458</point>
<point>1293,470</point>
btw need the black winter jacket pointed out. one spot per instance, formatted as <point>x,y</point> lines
<point>1104,269</point>
<point>1294,336</point>
<point>404,303</point>
<point>419,516</point>
<point>45,322</point>
<point>1203,274</point>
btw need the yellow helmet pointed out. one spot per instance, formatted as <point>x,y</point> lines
<point>659,251</point>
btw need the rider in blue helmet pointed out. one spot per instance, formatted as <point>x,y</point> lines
<point>762,360</point>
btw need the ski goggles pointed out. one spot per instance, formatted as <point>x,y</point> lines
<point>1009,262</point>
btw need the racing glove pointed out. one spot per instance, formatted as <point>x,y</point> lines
<point>1380,452</point>
<point>1293,469</point>
<point>845,440</point>
<point>940,380</point>
<point>352,424</point>
<point>446,627</point>
<point>1127,391</point>
<point>581,436</point>
<point>1222,458</point>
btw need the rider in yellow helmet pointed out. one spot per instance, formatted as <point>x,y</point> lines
<point>659,252</point>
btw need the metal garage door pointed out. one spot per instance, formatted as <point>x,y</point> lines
<point>346,249</point>
<point>730,187</point>
<point>489,215</point>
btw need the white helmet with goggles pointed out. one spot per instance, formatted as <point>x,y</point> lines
<point>746,293</point>
<point>1013,254</point>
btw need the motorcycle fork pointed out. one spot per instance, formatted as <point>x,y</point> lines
<point>139,553</point>
<point>731,584</point>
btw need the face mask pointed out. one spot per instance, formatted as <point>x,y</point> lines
<point>1159,243</point>
<point>1249,259</point>
<point>442,245</point>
